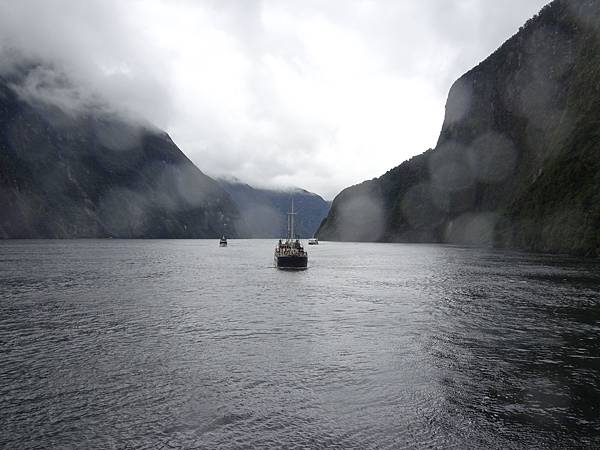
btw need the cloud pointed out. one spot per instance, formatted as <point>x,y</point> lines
<point>316,94</point>
<point>97,49</point>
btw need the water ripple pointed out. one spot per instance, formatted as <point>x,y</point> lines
<point>182,344</point>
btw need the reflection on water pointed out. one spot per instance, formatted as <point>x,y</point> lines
<point>185,344</point>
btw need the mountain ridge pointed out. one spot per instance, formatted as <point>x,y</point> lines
<point>89,172</point>
<point>516,163</point>
<point>263,212</point>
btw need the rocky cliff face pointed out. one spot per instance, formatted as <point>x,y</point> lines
<point>263,212</point>
<point>91,173</point>
<point>517,163</point>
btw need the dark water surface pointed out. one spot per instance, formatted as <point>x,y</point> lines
<point>169,344</point>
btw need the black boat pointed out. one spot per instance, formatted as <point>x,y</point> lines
<point>289,254</point>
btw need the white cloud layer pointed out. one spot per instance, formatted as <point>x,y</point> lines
<point>316,94</point>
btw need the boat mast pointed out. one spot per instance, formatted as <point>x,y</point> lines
<point>293,218</point>
<point>288,227</point>
<point>291,222</point>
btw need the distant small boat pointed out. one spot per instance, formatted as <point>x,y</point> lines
<point>289,254</point>
<point>223,242</point>
<point>313,241</point>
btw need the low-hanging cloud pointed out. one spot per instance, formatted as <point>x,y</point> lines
<point>315,94</point>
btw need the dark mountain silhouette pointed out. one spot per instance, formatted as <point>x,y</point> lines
<point>263,212</point>
<point>68,173</point>
<point>517,163</point>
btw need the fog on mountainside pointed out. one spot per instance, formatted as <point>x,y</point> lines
<point>517,163</point>
<point>72,167</point>
<point>283,93</point>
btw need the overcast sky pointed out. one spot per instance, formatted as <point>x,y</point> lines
<point>317,94</point>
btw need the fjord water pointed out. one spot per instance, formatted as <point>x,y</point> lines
<point>167,344</point>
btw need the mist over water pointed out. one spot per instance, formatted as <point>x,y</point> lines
<point>154,344</point>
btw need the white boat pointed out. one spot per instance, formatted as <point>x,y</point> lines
<point>223,241</point>
<point>313,241</point>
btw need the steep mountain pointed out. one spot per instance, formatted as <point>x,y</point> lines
<point>67,173</point>
<point>263,212</point>
<point>517,163</point>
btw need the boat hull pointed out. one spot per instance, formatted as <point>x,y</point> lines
<point>291,262</point>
